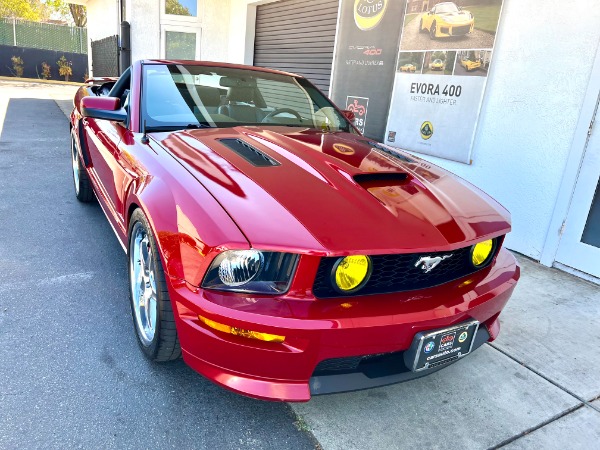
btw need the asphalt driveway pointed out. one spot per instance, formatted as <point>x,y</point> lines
<point>71,375</point>
<point>412,39</point>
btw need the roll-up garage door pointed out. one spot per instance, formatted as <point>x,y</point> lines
<point>297,36</point>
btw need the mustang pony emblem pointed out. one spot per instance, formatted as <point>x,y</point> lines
<point>428,263</point>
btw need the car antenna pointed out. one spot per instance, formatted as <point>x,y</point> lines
<point>145,139</point>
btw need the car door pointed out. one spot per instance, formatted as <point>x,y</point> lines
<point>111,168</point>
<point>102,139</point>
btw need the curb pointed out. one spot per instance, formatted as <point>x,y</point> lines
<point>39,80</point>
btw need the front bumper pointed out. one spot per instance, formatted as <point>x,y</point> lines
<point>452,29</point>
<point>320,330</point>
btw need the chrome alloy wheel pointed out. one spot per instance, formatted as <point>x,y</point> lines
<point>75,163</point>
<point>142,279</point>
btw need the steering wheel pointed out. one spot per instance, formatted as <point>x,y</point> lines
<point>278,111</point>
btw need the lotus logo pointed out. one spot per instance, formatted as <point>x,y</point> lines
<point>368,13</point>
<point>428,263</point>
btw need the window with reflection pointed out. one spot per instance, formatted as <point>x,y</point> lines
<point>182,7</point>
<point>180,45</point>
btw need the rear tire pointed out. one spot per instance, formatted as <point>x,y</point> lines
<point>83,187</point>
<point>421,29</point>
<point>151,309</point>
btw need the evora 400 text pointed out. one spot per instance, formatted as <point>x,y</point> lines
<point>277,250</point>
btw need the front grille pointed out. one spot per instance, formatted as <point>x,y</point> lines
<point>397,273</point>
<point>459,31</point>
<point>372,365</point>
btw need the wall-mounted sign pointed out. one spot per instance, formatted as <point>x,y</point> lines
<point>441,74</point>
<point>365,60</point>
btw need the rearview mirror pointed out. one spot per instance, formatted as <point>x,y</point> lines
<point>349,115</point>
<point>107,108</point>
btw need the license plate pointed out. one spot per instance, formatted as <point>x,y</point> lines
<point>435,348</point>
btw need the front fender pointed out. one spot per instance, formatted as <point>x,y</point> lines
<point>188,227</point>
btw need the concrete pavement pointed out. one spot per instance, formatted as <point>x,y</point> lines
<point>537,386</point>
<point>71,374</point>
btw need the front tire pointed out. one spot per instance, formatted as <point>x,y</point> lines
<point>151,308</point>
<point>83,187</point>
<point>433,30</point>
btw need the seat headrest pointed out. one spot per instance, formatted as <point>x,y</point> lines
<point>241,94</point>
<point>210,96</point>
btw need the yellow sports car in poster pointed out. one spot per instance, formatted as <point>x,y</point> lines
<point>438,64</point>
<point>408,68</point>
<point>470,65</point>
<point>446,20</point>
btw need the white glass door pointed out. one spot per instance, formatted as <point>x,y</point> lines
<point>580,243</point>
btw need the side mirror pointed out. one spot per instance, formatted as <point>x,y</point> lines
<point>107,108</point>
<point>349,115</point>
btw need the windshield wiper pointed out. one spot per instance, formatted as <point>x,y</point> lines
<point>178,127</point>
<point>197,125</point>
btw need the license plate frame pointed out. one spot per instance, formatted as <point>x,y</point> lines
<point>439,347</point>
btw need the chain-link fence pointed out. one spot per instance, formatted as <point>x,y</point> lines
<point>105,57</point>
<point>47,36</point>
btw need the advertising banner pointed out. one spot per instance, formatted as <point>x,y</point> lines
<point>365,60</point>
<point>445,54</point>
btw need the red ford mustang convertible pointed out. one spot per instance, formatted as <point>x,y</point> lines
<point>277,250</point>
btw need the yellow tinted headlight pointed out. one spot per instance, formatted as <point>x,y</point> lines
<point>352,272</point>
<point>481,252</point>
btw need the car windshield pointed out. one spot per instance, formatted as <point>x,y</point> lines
<point>446,8</point>
<point>177,96</point>
<point>438,61</point>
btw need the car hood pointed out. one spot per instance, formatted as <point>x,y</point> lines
<point>456,17</point>
<point>334,193</point>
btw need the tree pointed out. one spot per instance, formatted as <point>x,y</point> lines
<point>176,8</point>
<point>77,12</point>
<point>21,9</point>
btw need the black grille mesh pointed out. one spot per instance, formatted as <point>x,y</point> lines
<point>397,273</point>
<point>249,153</point>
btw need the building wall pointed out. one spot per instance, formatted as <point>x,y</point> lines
<point>539,75</point>
<point>144,18</point>
<point>215,30</point>
<point>241,26</point>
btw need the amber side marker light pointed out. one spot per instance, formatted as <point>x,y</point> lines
<point>241,332</point>
<point>481,252</point>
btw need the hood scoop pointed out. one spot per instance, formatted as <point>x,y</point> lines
<point>380,179</point>
<point>251,154</point>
